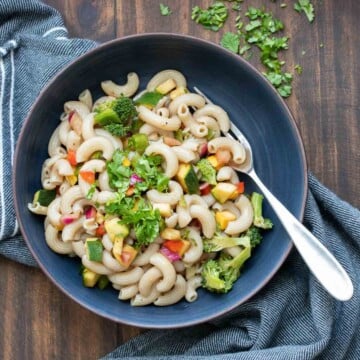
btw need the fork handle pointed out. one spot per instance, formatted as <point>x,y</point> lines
<point>320,261</point>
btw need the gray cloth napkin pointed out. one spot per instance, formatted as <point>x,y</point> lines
<point>291,318</point>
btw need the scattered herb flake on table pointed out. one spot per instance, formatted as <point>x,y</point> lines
<point>212,18</point>
<point>231,41</point>
<point>307,7</point>
<point>165,10</point>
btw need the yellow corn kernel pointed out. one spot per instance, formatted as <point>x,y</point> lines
<point>126,162</point>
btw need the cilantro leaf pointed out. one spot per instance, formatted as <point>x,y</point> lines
<point>212,18</point>
<point>138,214</point>
<point>165,10</point>
<point>307,7</point>
<point>231,41</point>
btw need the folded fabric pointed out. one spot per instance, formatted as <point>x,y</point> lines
<point>33,47</point>
<point>293,317</point>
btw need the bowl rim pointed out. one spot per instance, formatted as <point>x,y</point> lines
<point>195,40</point>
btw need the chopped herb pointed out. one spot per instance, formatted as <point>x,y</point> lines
<point>298,69</point>
<point>231,41</point>
<point>91,191</point>
<point>212,18</point>
<point>138,214</point>
<point>145,167</point>
<point>307,7</point>
<point>165,10</point>
<point>260,31</point>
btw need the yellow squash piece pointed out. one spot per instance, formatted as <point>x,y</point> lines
<point>214,162</point>
<point>223,191</point>
<point>177,92</point>
<point>126,256</point>
<point>164,209</point>
<point>115,230</point>
<point>89,277</point>
<point>166,86</point>
<point>170,234</point>
<point>223,218</point>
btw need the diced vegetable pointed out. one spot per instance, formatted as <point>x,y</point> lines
<point>223,218</point>
<point>88,176</point>
<point>177,92</point>
<point>135,179</point>
<point>94,249</point>
<point>71,157</point>
<point>149,99</point>
<point>115,230</point>
<point>203,150</point>
<point>214,162</point>
<point>44,197</point>
<point>188,179</point>
<point>71,179</point>
<point>103,282</point>
<point>69,218</point>
<point>130,191</point>
<point>126,256</point>
<point>89,277</point>
<point>100,230</point>
<point>205,189</point>
<point>164,209</point>
<point>177,246</point>
<point>172,256</point>
<point>126,162</point>
<point>90,212</point>
<point>223,191</point>
<point>117,248</point>
<point>166,86</point>
<point>170,234</point>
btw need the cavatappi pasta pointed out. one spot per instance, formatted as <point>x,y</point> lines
<point>142,188</point>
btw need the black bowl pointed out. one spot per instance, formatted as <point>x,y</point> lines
<point>252,104</point>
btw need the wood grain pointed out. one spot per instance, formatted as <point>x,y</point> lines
<point>39,321</point>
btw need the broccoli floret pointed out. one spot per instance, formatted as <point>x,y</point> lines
<point>125,109</point>
<point>117,116</point>
<point>208,173</point>
<point>259,220</point>
<point>212,277</point>
<point>255,236</point>
<point>220,274</point>
<point>220,242</point>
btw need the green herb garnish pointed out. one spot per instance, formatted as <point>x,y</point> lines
<point>307,7</point>
<point>165,10</point>
<point>231,41</point>
<point>212,18</point>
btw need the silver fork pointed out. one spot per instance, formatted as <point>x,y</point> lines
<point>320,261</point>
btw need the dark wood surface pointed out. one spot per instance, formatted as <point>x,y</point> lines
<point>37,320</point>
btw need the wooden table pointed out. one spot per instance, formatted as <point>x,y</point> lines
<point>37,320</point>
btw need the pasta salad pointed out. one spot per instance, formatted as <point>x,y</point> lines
<point>142,188</point>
